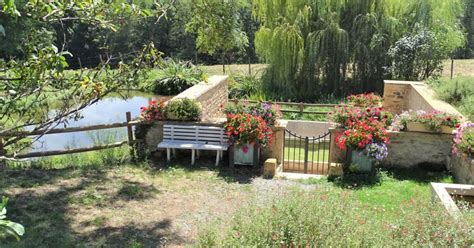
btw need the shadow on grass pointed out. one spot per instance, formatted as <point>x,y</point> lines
<point>43,201</point>
<point>239,174</point>
<point>417,175</point>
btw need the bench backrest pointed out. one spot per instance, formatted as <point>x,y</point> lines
<point>195,134</point>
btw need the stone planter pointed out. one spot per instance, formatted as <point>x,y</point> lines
<point>247,154</point>
<point>359,162</point>
<point>420,127</point>
<point>462,167</point>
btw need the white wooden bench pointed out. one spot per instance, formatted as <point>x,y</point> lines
<point>194,138</point>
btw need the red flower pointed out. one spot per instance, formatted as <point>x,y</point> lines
<point>245,149</point>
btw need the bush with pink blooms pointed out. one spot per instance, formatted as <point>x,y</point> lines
<point>464,140</point>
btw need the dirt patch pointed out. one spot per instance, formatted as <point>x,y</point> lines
<point>128,206</point>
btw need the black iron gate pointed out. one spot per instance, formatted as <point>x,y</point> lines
<point>306,154</point>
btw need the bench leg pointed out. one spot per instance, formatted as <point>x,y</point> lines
<point>197,154</point>
<point>222,154</point>
<point>217,157</point>
<point>168,154</point>
<point>174,152</point>
<point>192,156</point>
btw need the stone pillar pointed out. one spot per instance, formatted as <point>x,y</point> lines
<point>270,168</point>
<point>395,95</point>
<point>336,155</point>
<point>276,149</point>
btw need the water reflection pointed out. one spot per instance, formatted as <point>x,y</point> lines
<point>108,110</point>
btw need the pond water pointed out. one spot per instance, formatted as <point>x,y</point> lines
<point>111,109</point>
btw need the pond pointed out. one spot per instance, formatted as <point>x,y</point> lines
<point>111,109</point>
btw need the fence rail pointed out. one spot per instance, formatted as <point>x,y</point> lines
<point>301,106</point>
<point>128,124</point>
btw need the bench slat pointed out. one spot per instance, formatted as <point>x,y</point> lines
<point>185,145</point>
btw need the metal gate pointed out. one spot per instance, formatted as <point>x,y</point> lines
<point>308,155</point>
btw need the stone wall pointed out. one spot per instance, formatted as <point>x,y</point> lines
<point>407,150</point>
<point>307,128</point>
<point>410,149</point>
<point>462,169</point>
<point>212,95</point>
<point>405,95</point>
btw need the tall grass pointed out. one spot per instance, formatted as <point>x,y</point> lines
<point>332,217</point>
<point>86,160</point>
<point>458,91</point>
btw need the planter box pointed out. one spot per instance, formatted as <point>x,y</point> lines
<point>359,162</point>
<point>247,154</point>
<point>462,168</point>
<point>420,127</point>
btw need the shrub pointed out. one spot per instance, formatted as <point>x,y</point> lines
<point>464,140</point>
<point>417,56</point>
<point>177,77</point>
<point>365,100</point>
<point>333,218</point>
<point>245,87</point>
<point>183,109</point>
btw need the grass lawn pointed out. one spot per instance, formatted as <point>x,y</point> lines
<point>149,204</point>
<point>297,153</point>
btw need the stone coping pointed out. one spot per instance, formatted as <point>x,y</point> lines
<point>199,89</point>
<point>429,96</point>
<point>414,95</point>
<point>442,193</point>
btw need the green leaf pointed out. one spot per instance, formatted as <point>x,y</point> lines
<point>2,30</point>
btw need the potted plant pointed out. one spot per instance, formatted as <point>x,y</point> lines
<point>461,164</point>
<point>366,144</point>
<point>154,110</point>
<point>247,133</point>
<point>430,122</point>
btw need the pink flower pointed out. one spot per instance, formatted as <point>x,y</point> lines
<point>245,149</point>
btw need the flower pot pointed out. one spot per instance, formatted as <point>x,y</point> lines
<point>421,127</point>
<point>360,163</point>
<point>247,154</point>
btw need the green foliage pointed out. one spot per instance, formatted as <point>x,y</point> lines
<point>8,227</point>
<point>245,87</point>
<point>334,218</point>
<point>183,109</point>
<point>176,77</point>
<point>29,82</point>
<point>468,22</point>
<point>311,46</point>
<point>458,91</point>
<point>417,56</point>
<point>218,26</point>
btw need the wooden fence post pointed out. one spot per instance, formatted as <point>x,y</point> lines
<point>128,116</point>
<point>452,68</point>
<point>301,108</point>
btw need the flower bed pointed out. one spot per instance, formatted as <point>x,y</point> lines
<point>249,127</point>
<point>462,162</point>
<point>434,121</point>
<point>365,133</point>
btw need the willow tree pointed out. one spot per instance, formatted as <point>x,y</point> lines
<point>316,47</point>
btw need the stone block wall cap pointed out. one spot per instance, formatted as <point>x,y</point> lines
<point>271,160</point>
<point>403,82</point>
<point>281,123</point>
